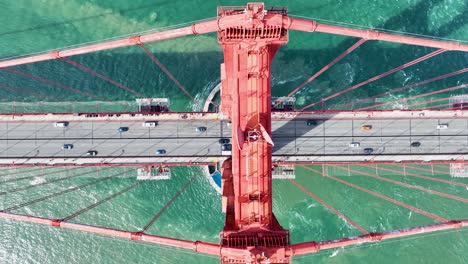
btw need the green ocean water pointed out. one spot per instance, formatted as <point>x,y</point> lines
<point>32,26</point>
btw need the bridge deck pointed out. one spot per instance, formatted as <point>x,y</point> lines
<point>294,140</point>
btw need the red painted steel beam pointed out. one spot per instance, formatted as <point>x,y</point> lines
<point>314,247</point>
<point>195,29</point>
<point>312,26</point>
<point>197,246</point>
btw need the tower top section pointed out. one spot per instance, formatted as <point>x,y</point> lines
<point>253,23</point>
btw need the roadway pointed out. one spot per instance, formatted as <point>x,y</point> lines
<point>179,138</point>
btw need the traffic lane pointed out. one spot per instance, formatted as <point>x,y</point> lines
<point>280,128</point>
<point>455,144</point>
<point>429,127</point>
<point>338,128</point>
<point>339,145</point>
<point>296,128</point>
<point>394,127</point>
<point>111,147</point>
<point>109,130</point>
<point>455,127</point>
<point>26,130</point>
<point>359,130</point>
<point>291,146</point>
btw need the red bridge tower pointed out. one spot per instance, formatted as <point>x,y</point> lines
<point>251,232</point>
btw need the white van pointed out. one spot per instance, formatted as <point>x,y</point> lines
<point>61,124</point>
<point>150,123</point>
<point>442,126</point>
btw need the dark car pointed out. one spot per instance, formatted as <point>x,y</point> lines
<point>91,153</point>
<point>224,141</point>
<point>122,129</point>
<point>160,152</point>
<point>200,129</point>
<point>368,150</point>
<point>67,146</point>
<point>311,122</point>
<point>226,147</point>
<point>416,144</point>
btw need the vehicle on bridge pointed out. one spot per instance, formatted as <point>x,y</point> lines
<point>150,123</point>
<point>160,152</point>
<point>226,149</point>
<point>442,126</point>
<point>368,150</point>
<point>224,141</point>
<point>311,122</point>
<point>67,146</point>
<point>61,124</point>
<point>200,129</point>
<point>122,129</point>
<point>366,127</point>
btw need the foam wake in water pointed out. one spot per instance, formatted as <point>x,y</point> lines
<point>201,96</point>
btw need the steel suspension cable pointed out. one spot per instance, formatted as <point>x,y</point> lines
<point>331,208</point>
<point>406,65</point>
<point>105,78</point>
<point>75,214</point>
<point>440,106</point>
<point>12,208</point>
<point>392,91</point>
<point>43,183</point>
<point>9,174</point>
<point>36,176</point>
<point>428,102</point>
<point>416,96</point>
<point>422,177</point>
<point>386,198</point>
<point>148,225</point>
<point>37,94</point>
<point>15,89</point>
<point>446,195</point>
<point>165,70</point>
<point>37,78</point>
<point>429,170</point>
<point>326,67</point>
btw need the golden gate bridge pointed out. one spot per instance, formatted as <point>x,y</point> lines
<point>250,36</point>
